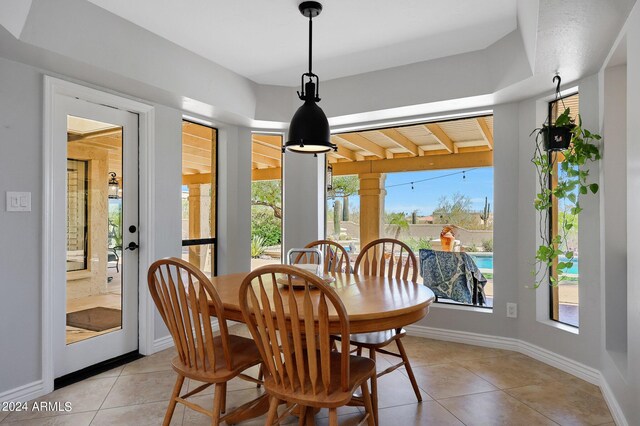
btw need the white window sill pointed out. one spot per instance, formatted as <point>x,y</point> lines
<point>461,307</point>
<point>560,326</point>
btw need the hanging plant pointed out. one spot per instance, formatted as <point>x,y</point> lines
<point>569,146</point>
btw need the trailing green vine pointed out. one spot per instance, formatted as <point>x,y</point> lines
<point>571,183</point>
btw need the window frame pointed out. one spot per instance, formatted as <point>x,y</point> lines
<point>554,291</point>
<point>213,241</point>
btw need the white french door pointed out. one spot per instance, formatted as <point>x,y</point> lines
<point>95,237</point>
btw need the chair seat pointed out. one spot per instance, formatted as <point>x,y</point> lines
<point>377,339</point>
<point>360,370</point>
<point>244,354</point>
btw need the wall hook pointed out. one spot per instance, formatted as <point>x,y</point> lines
<point>557,77</point>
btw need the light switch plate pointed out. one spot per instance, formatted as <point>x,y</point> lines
<point>18,201</point>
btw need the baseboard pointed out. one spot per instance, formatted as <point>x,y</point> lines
<point>616,412</point>
<point>162,343</point>
<point>463,337</point>
<point>166,342</point>
<point>553,359</point>
<point>24,393</point>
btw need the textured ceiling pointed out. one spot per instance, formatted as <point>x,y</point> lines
<point>267,41</point>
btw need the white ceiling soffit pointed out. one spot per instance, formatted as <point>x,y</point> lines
<point>13,15</point>
<point>267,41</point>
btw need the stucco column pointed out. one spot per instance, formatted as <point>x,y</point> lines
<point>372,195</point>
<point>199,221</point>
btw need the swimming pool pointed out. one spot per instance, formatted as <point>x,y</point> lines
<point>485,261</point>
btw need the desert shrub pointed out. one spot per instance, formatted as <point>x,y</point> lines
<point>418,243</point>
<point>257,246</point>
<point>265,225</point>
<point>487,245</point>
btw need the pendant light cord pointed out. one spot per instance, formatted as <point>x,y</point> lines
<point>310,42</point>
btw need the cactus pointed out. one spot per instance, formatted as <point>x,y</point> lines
<point>485,212</point>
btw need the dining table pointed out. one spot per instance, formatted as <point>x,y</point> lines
<point>372,303</point>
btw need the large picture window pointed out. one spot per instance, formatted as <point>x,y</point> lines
<point>565,302</point>
<point>432,176</point>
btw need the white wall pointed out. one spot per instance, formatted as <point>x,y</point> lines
<point>234,199</point>
<point>168,179</point>
<point>20,233</point>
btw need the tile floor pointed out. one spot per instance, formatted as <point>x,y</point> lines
<point>461,385</point>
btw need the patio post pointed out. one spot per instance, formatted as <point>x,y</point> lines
<point>372,195</point>
<point>199,221</point>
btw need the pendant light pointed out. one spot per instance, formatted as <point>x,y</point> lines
<point>309,129</point>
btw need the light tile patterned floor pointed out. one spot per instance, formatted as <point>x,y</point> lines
<point>461,385</point>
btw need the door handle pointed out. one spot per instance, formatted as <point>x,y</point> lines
<point>132,246</point>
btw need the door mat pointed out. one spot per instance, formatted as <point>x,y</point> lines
<point>95,319</point>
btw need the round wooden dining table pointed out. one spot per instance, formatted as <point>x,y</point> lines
<point>372,303</point>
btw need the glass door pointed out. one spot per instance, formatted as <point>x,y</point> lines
<point>97,187</point>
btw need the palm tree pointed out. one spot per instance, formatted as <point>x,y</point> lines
<point>398,221</point>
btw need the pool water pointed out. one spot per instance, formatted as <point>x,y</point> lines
<point>486,262</point>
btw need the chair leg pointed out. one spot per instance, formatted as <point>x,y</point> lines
<point>172,403</point>
<point>260,375</point>
<point>333,417</point>
<point>223,403</point>
<point>374,386</point>
<point>359,351</point>
<point>273,410</point>
<point>302,420</point>
<point>368,406</point>
<point>217,404</point>
<point>407,365</point>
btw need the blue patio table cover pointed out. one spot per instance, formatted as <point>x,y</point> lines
<point>453,275</point>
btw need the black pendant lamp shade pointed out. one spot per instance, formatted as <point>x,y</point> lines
<point>309,129</point>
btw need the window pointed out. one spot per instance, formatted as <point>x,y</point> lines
<point>266,200</point>
<point>199,195</point>
<point>77,227</point>
<point>564,296</point>
<point>431,175</point>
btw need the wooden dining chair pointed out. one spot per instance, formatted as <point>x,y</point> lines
<point>182,294</point>
<point>336,257</point>
<point>386,257</point>
<point>288,311</point>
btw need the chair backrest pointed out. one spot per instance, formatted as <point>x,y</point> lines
<point>304,255</point>
<point>387,257</point>
<point>186,300</point>
<point>336,258</point>
<point>291,328</point>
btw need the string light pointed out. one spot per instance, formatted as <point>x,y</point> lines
<point>432,178</point>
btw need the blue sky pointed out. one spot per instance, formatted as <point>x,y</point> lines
<point>477,184</point>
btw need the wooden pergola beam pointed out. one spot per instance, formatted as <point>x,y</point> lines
<point>484,129</point>
<point>74,136</point>
<point>362,143</point>
<point>345,153</point>
<point>267,161</point>
<point>401,140</point>
<point>272,140</point>
<point>267,151</point>
<point>442,138</point>
<point>272,173</point>
<point>411,164</point>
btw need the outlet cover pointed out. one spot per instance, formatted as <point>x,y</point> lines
<point>512,310</point>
